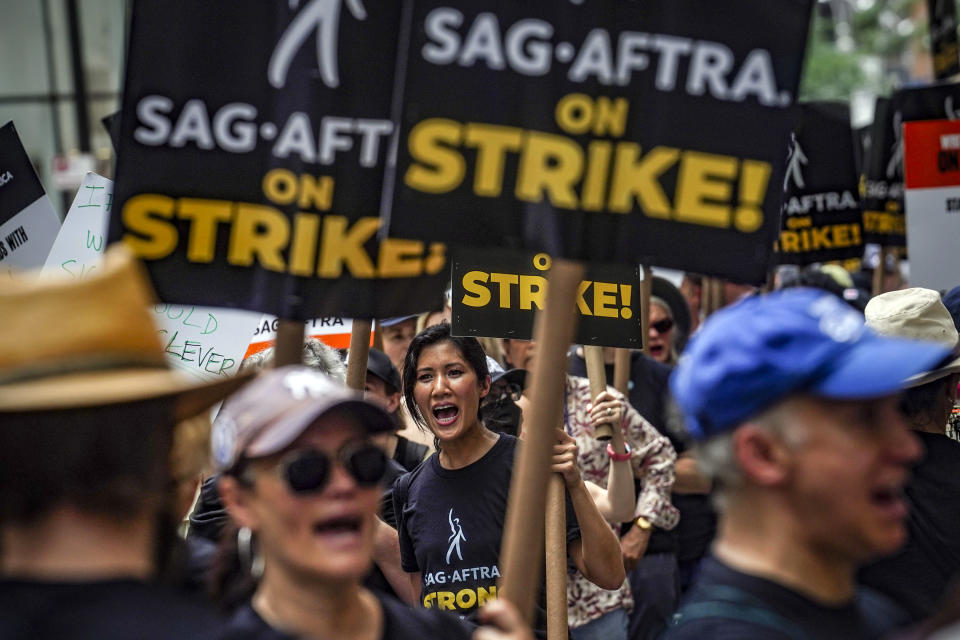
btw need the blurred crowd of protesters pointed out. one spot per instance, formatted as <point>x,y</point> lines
<point>785,467</point>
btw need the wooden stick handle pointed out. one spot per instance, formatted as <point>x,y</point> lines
<point>621,370</point>
<point>288,348</point>
<point>646,290</point>
<point>359,350</point>
<point>522,552</point>
<point>598,384</point>
<point>878,272</point>
<point>556,558</point>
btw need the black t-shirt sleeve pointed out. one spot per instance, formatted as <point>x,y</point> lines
<point>408,557</point>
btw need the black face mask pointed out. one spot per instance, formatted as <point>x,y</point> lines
<point>501,415</point>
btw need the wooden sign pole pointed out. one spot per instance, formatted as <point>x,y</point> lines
<point>522,553</point>
<point>377,336</point>
<point>288,348</point>
<point>878,271</point>
<point>646,290</point>
<point>621,370</point>
<point>556,559</point>
<point>359,350</point>
<point>598,384</point>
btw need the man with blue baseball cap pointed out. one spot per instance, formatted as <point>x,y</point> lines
<point>792,401</point>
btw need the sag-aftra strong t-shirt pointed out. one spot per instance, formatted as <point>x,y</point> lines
<point>451,524</point>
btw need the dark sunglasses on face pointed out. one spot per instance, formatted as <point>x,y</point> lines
<point>308,470</point>
<point>663,326</point>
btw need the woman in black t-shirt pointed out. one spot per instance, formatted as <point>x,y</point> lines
<point>300,478</point>
<point>451,509</point>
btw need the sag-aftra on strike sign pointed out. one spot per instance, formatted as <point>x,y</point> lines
<point>648,131</point>
<point>267,146</point>
<point>252,156</point>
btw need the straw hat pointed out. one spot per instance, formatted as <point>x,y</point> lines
<point>68,343</point>
<point>917,314</point>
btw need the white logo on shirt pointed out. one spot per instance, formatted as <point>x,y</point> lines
<point>456,536</point>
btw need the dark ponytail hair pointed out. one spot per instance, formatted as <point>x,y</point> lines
<point>469,349</point>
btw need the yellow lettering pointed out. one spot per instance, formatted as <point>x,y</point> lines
<point>306,228</point>
<point>532,289</point>
<point>280,186</point>
<point>605,300</point>
<point>479,295</point>
<point>316,193</point>
<point>258,231</point>
<point>156,238</point>
<point>400,258</point>
<point>581,302</point>
<point>445,601</point>
<point>595,183</point>
<point>638,178</point>
<point>428,600</point>
<point>492,143</point>
<point>611,117</point>
<point>841,235</point>
<point>574,113</point>
<point>820,238</point>
<point>437,168</point>
<point>549,163</point>
<point>466,598</point>
<point>504,280</point>
<point>204,216</point>
<point>705,180</point>
<point>484,596</point>
<point>789,242</point>
<point>343,245</point>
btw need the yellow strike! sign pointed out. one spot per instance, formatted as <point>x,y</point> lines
<point>526,292</point>
<point>311,244</point>
<point>572,177</point>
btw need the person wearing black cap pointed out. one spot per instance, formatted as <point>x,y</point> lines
<point>383,387</point>
<point>300,478</point>
<point>793,403</point>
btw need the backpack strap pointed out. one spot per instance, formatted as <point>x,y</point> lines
<point>730,603</point>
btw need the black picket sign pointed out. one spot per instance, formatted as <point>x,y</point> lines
<point>884,220</point>
<point>943,38</point>
<point>19,184</point>
<point>252,155</point>
<point>821,206</point>
<point>496,293</point>
<point>645,132</point>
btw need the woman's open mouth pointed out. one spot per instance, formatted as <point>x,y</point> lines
<point>341,530</point>
<point>445,414</point>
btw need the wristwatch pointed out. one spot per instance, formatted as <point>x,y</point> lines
<point>644,524</point>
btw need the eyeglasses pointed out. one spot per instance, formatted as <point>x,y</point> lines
<point>662,326</point>
<point>501,392</point>
<point>308,470</point>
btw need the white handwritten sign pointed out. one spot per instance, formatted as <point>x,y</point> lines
<point>204,342</point>
<point>78,248</point>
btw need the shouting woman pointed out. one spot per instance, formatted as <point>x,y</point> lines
<point>300,481</point>
<point>451,509</point>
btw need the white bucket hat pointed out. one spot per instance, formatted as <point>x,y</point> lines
<point>917,314</point>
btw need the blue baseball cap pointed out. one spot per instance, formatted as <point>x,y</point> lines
<point>749,356</point>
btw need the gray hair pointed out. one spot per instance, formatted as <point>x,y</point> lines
<point>717,460</point>
<point>316,355</point>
